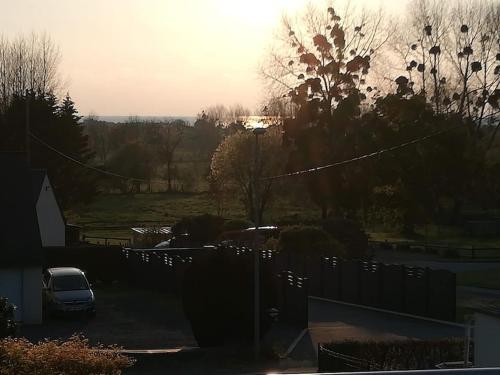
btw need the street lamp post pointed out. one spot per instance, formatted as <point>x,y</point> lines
<point>256,252</point>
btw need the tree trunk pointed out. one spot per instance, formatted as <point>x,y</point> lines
<point>324,211</point>
<point>169,177</point>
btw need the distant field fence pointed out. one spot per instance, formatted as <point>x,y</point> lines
<point>418,291</point>
<point>107,241</point>
<point>445,250</point>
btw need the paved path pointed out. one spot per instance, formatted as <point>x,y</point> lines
<point>470,291</point>
<point>329,321</point>
<point>431,261</point>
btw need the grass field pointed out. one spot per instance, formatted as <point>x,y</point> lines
<point>112,215</point>
<point>445,235</point>
<point>489,278</point>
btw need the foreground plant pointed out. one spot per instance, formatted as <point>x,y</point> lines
<point>72,357</point>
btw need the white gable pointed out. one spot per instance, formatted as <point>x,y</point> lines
<point>50,217</point>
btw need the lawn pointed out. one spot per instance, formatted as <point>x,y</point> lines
<point>489,278</point>
<point>436,234</point>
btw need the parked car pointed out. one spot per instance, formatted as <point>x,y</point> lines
<point>66,289</point>
<point>163,245</point>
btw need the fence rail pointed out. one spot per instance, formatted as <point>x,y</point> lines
<point>122,241</point>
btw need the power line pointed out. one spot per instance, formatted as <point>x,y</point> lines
<point>363,157</point>
<point>95,169</point>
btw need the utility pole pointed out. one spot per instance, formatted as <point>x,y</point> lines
<point>27,128</point>
<point>256,251</point>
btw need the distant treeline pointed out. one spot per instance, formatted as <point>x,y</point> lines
<point>169,155</point>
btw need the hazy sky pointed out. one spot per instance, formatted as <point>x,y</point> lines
<point>155,57</point>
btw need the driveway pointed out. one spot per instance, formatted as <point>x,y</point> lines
<point>330,321</point>
<point>127,317</point>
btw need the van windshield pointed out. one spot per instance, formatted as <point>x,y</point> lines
<point>70,282</point>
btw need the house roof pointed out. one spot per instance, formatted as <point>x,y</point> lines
<point>20,243</point>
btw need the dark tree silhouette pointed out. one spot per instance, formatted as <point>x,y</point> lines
<point>58,126</point>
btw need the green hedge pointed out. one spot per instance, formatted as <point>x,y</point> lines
<point>217,296</point>
<point>237,224</point>
<point>201,229</point>
<point>350,234</point>
<point>389,355</point>
<point>308,240</point>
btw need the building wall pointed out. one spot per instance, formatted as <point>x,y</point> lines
<point>50,219</point>
<point>23,288</point>
<point>486,340</point>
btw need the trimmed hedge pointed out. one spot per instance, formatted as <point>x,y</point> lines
<point>308,240</point>
<point>237,224</point>
<point>218,298</point>
<point>200,230</point>
<point>350,234</point>
<point>389,355</point>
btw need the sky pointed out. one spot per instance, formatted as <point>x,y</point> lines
<point>156,57</point>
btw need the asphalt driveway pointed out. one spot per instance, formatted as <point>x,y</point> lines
<point>127,317</point>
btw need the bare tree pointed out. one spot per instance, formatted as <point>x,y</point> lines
<point>99,136</point>
<point>27,63</point>
<point>171,136</point>
<point>221,115</point>
<point>454,49</point>
<point>324,53</point>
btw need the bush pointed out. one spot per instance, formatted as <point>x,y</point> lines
<point>71,357</point>
<point>218,298</point>
<point>451,253</point>
<point>7,323</point>
<point>308,240</point>
<point>201,229</point>
<point>237,224</point>
<point>350,234</point>
<point>387,355</point>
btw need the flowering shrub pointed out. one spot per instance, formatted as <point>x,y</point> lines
<point>72,357</point>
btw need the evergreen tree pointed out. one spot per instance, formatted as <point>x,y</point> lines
<point>57,125</point>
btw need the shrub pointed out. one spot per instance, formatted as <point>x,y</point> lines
<point>236,224</point>
<point>7,323</point>
<point>71,357</point>
<point>201,229</point>
<point>451,253</point>
<point>218,298</point>
<point>308,240</point>
<point>350,234</point>
<point>271,244</point>
<point>391,355</point>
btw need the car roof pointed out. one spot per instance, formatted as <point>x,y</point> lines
<point>64,271</point>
